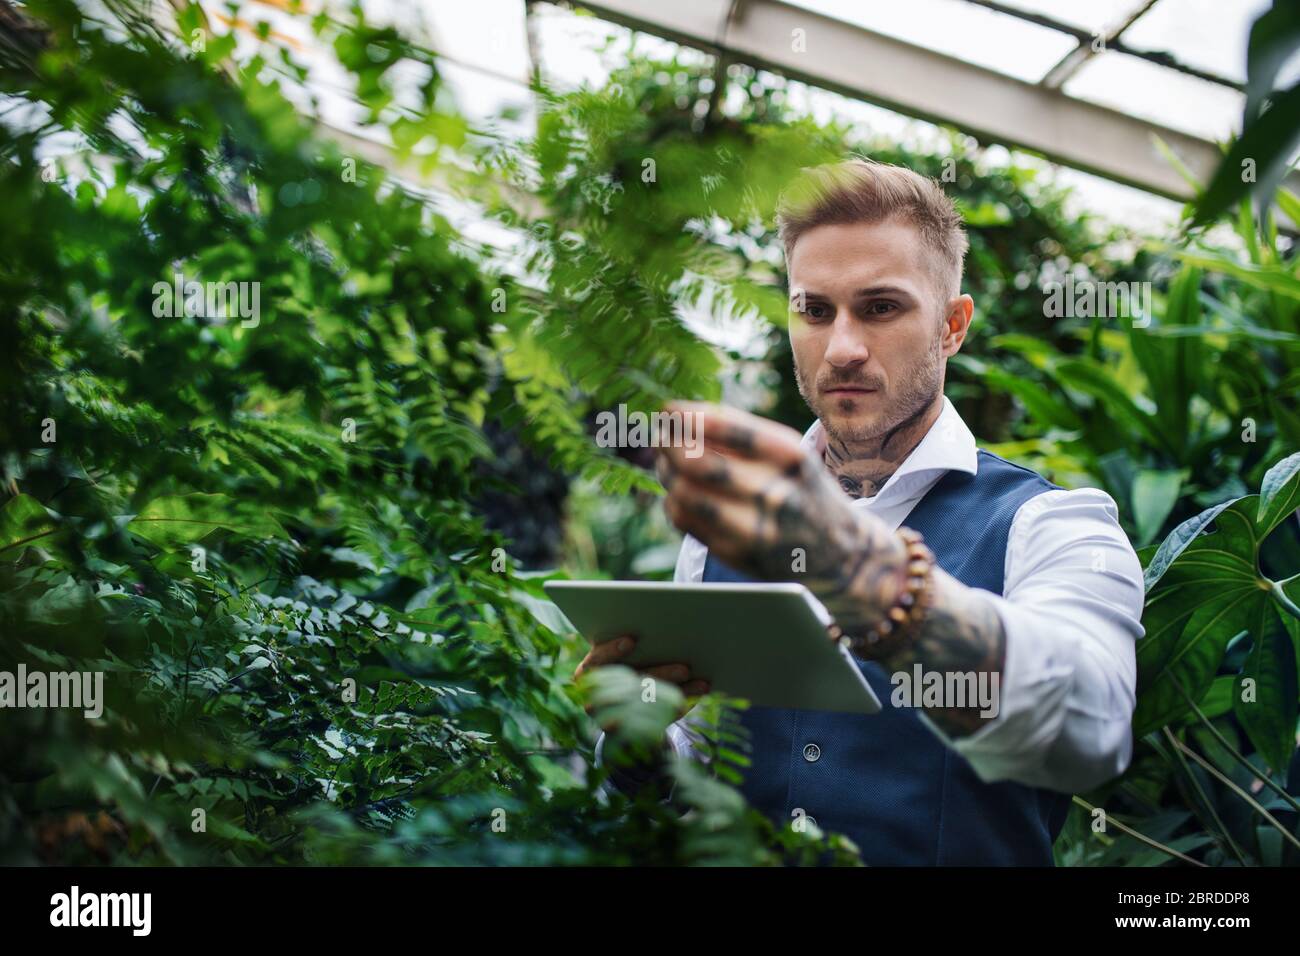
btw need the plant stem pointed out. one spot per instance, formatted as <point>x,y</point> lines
<point>1222,833</point>
<point>1236,789</point>
<point>1283,599</point>
<point>1154,844</point>
<point>1223,742</point>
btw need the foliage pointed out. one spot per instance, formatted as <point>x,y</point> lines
<point>1261,156</point>
<point>1173,411</point>
<point>263,532</point>
<point>1205,591</point>
<point>275,539</point>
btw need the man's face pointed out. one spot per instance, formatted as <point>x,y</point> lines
<point>867,327</point>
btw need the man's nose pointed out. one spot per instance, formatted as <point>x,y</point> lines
<point>848,343</point>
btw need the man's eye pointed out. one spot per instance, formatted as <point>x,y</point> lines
<point>817,311</point>
<point>882,308</point>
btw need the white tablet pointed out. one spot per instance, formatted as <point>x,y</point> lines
<point>762,642</point>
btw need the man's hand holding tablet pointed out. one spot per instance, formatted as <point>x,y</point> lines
<point>615,651</point>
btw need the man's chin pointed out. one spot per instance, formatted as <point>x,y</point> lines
<point>853,425</point>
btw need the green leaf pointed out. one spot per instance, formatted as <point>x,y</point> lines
<point>1194,658</point>
<point>1279,494</point>
<point>1173,363</point>
<point>543,611</point>
<point>1274,38</point>
<point>617,697</point>
<point>1209,586</point>
<point>1097,380</point>
<point>1269,278</point>
<point>1154,495</point>
<point>64,604</point>
<point>1289,203</point>
<point>177,520</point>
<point>1178,540</point>
<point>1043,407</point>
<point>23,521</point>
<point>1268,142</point>
<point>1176,161</point>
<point>1270,718</point>
<point>1218,699</point>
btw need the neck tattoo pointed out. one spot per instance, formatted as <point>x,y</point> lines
<point>863,467</point>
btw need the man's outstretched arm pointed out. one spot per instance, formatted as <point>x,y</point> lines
<point>758,499</point>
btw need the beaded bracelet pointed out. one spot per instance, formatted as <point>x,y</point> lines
<point>909,606</point>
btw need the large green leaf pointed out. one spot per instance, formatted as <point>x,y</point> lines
<point>1218,699</point>
<point>1270,278</point>
<point>1043,407</point>
<point>1291,615</point>
<point>1203,591</point>
<point>177,520</point>
<point>1268,142</point>
<point>1097,380</point>
<point>1212,577</point>
<point>1195,657</point>
<point>1274,38</point>
<point>1279,494</point>
<point>1178,540</point>
<point>1163,619</point>
<point>1270,717</point>
<point>1173,364</point>
<point>1206,590</point>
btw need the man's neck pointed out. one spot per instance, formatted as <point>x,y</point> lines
<point>863,467</point>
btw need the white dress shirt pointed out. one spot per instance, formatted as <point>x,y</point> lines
<point>1070,607</point>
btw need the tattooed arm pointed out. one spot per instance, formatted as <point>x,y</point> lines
<point>769,508</point>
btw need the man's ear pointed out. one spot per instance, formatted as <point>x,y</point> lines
<point>956,322</point>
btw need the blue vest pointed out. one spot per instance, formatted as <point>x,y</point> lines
<point>886,780</point>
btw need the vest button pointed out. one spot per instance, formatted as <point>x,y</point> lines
<point>812,753</point>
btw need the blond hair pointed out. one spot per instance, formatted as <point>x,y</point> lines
<point>864,191</point>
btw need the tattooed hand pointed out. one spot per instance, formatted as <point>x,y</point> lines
<point>769,508</point>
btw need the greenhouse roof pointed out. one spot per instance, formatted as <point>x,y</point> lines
<point>1089,85</point>
<point>1108,88</point>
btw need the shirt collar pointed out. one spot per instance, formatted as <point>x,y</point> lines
<point>947,446</point>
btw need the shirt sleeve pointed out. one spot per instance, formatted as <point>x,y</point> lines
<point>690,561</point>
<point>1071,607</point>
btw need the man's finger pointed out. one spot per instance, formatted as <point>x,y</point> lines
<point>730,527</point>
<point>664,470</point>
<point>672,673</point>
<point>732,431</point>
<point>606,652</point>
<point>717,474</point>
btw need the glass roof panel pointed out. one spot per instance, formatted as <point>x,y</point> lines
<point>958,29</point>
<point>1159,95</point>
<point>573,49</point>
<point>1207,34</point>
<point>1095,16</point>
<point>489,34</point>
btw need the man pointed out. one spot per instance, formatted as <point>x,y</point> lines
<point>1033,590</point>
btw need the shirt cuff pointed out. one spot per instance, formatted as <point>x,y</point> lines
<point>679,739</point>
